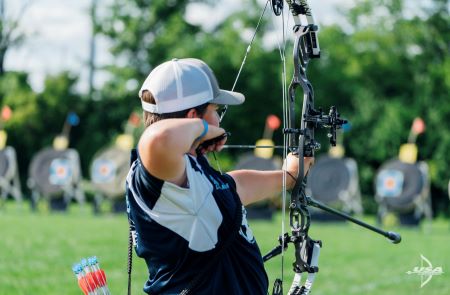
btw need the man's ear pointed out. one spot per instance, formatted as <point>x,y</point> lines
<point>192,114</point>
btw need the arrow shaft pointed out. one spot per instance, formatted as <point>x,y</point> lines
<point>243,146</point>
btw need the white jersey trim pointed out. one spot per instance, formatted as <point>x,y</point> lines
<point>191,212</point>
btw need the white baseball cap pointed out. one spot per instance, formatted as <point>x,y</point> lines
<point>181,84</point>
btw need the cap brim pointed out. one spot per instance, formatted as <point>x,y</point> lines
<point>228,98</point>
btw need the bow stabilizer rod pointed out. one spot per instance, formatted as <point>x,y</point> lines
<point>393,237</point>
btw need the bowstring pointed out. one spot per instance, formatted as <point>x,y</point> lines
<point>285,138</point>
<point>282,51</point>
<point>244,60</point>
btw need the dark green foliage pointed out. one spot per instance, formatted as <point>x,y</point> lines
<point>37,117</point>
<point>383,69</point>
<point>383,73</point>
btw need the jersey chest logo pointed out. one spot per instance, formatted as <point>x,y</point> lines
<point>245,230</point>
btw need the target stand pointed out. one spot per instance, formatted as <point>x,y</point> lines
<point>109,170</point>
<point>9,175</point>
<point>403,193</point>
<point>55,175</point>
<point>335,183</point>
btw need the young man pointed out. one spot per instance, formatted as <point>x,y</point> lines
<point>189,219</point>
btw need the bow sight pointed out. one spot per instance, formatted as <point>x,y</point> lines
<point>319,119</point>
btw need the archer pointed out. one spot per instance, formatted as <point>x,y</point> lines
<point>188,219</point>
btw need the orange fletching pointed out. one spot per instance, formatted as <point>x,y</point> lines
<point>83,286</point>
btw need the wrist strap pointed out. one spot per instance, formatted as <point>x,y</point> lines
<point>205,130</point>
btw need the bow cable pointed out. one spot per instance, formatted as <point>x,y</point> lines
<point>282,50</point>
<point>249,48</point>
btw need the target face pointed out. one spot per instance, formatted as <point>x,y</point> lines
<point>398,184</point>
<point>51,170</point>
<point>390,183</point>
<point>60,172</point>
<point>109,170</point>
<point>103,171</point>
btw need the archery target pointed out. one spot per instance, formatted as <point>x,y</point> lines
<point>328,178</point>
<point>51,171</point>
<point>8,163</point>
<point>109,171</point>
<point>250,161</point>
<point>103,171</point>
<point>398,185</point>
<point>9,174</point>
<point>5,164</point>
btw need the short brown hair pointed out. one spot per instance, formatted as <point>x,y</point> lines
<point>150,118</point>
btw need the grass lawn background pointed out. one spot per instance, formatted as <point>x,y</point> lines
<point>37,251</point>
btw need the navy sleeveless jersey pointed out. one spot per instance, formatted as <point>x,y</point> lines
<point>179,231</point>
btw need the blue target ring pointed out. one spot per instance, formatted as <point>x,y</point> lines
<point>390,183</point>
<point>103,171</point>
<point>60,172</point>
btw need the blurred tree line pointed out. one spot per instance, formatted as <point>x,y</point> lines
<point>381,68</point>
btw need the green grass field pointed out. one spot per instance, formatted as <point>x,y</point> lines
<point>37,251</point>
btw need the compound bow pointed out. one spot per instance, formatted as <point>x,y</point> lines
<point>306,47</point>
<point>301,141</point>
